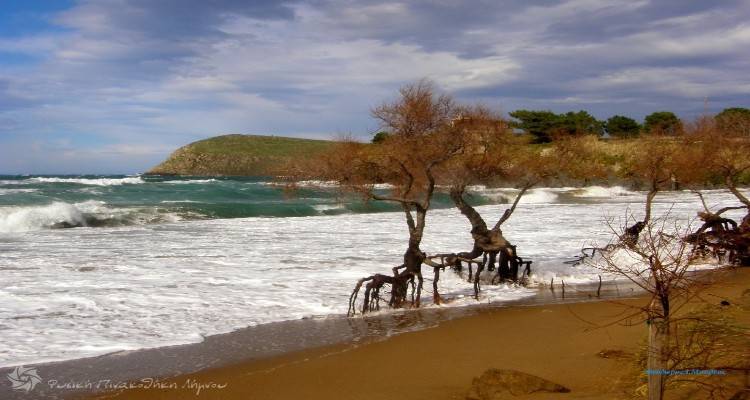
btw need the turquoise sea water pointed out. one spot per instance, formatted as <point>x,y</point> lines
<point>39,202</point>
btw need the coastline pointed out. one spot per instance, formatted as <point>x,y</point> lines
<point>435,360</point>
<point>83,376</point>
<point>559,342</point>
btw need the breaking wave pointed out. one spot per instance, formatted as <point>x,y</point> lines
<point>330,209</point>
<point>546,195</point>
<point>508,195</point>
<point>603,191</point>
<point>90,213</point>
<point>539,196</point>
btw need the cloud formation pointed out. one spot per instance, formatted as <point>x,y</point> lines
<point>113,85</point>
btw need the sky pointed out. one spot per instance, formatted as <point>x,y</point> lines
<point>113,86</point>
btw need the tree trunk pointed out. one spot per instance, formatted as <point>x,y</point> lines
<point>745,224</point>
<point>477,222</point>
<point>514,260</point>
<point>658,333</point>
<point>503,271</point>
<point>492,258</point>
<point>413,259</point>
<point>649,202</point>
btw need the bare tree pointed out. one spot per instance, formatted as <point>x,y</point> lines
<point>660,263</point>
<point>491,153</point>
<point>422,138</point>
<point>500,155</point>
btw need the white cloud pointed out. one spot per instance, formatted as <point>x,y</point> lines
<point>127,72</point>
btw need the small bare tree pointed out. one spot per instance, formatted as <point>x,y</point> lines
<point>660,263</point>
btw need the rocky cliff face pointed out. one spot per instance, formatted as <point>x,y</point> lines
<point>188,161</point>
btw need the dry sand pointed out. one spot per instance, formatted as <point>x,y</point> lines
<point>556,342</point>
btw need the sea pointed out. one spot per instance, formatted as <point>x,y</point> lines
<point>91,265</point>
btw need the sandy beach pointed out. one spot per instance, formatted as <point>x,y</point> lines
<point>570,344</point>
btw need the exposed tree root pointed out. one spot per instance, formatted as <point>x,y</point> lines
<point>436,277</point>
<point>490,244</point>
<point>732,246</point>
<point>720,237</point>
<point>375,283</point>
<point>510,263</point>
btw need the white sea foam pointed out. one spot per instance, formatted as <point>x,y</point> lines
<point>508,195</point>
<point>333,184</point>
<point>603,191</point>
<point>190,181</point>
<point>328,207</point>
<point>317,184</point>
<point>22,219</point>
<point>82,292</point>
<point>539,196</point>
<point>16,191</point>
<point>15,219</point>
<point>132,180</point>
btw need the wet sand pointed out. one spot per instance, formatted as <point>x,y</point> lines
<point>559,342</point>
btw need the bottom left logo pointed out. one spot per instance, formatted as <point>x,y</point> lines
<point>24,378</point>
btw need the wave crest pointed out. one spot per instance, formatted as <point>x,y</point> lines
<point>90,213</point>
<point>133,180</point>
<point>507,195</point>
<point>603,191</point>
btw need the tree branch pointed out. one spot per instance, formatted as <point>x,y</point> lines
<point>725,209</point>
<point>410,177</point>
<point>431,178</point>
<point>733,188</point>
<point>512,208</point>
<point>409,218</point>
<point>703,200</point>
<point>394,199</point>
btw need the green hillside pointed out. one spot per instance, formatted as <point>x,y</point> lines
<point>239,155</point>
